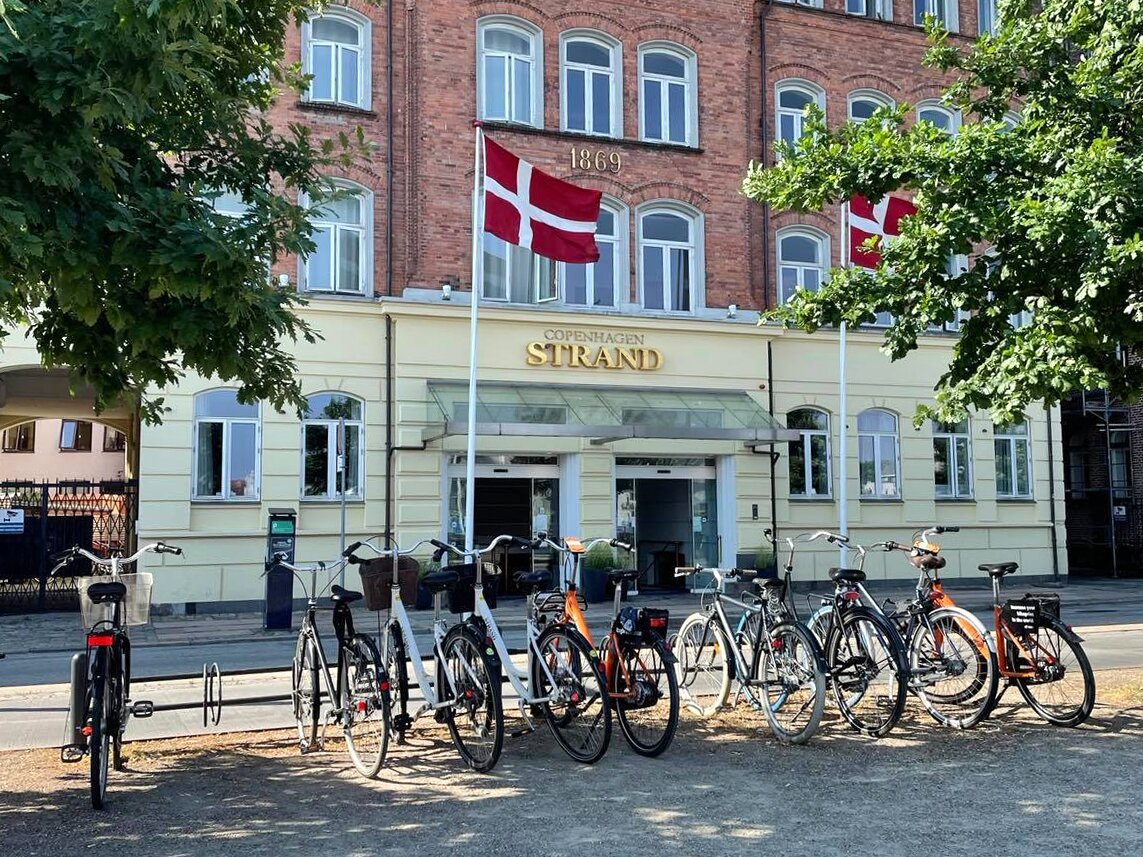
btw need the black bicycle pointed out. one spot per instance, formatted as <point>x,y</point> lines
<point>101,685</point>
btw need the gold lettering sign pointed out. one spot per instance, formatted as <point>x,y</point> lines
<point>574,356</point>
<point>599,160</point>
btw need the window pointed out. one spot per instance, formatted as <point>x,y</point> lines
<point>1013,461</point>
<point>955,265</point>
<point>945,11</point>
<point>878,457</point>
<point>863,103</point>
<point>590,85</point>
<point>113,441</point>
<point>937,114</point>
<point>793,99</point>
<point>1120,464</point>
<point>668,268</point>
<point>603,283</point>
<point>510,84</point>
<point>952,460</point>
<point>75,436</point>
<point>336,54</point>
<point>881,10</point>
<point>667,88</point>
<point>1077,468</point>
<point>1009,121</point>
<point>227,442</point>
<point>324,453</point>
<point>803,258</point>
<point>341,262</point>
<point>515,274</point>
<point>813,4</point>
<point>21,438</point>
<point>810,454</point>
<point>989,16</point>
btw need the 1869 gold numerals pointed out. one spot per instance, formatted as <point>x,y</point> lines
<point>598,160</point>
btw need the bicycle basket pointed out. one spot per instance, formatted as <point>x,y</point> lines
<point>462,597</point>
<point>653,624</point>
<point>1027,614</point>
<point>377,581</point>
<point>136,608</point>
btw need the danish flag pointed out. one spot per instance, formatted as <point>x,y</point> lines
<point>881,221</point>
<point>528,207</point>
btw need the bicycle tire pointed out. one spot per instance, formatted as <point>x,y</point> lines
<point>702,665</point>
<point>791,674</point>
<point>476,718</point>
<point>396,667</point>
<point>306,692</point>
<point>365,703</point>
<point>118,721</point>
<point>864,652</point>
<point>580,714</point>
<point>957,648</point>
<point>1071,714</point>
<point>99,740</point>
<point>649,673</point>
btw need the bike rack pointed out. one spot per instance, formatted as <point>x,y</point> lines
<point>212,695</point>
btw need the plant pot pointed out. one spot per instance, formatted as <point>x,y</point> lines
<point>594,585</point>
<point>424,597</point>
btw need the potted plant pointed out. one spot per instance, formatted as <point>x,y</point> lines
<point>593,573</point>
<point>765,561</point>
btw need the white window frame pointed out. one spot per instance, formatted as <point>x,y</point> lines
<point>876,10</point>
<point>1000,435</point>
<point>938,106</point>
<point>875,95</point>
<point>331,452</point>
<point>621,243</point>
<point>940,433</point>
<point>697,259</point>
<point>807,457</point>
<point>949,8</point>
<point>878,460</point>
<point>615,81</point>
<point>364,263</point>
<point>805,87</point>
<point>690,87</point>
<point>227,424</point>
<point>824,249</point>
<point>535,37</point>
<point>536,262</point>
<point>993,7</point>
<point>812,4</point>
<point>364,27</point>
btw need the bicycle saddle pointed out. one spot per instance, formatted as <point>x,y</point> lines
<point>847,575</point>
<point>617,574</point>
<point>438,581</point>
<point>767,584</point>
<point>107,592</point>
<point>339,595</point>
<point>998,569</point>
<point>927,560</point>
<point>533,580</point>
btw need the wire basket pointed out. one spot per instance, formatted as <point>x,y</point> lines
<point>136,609</point>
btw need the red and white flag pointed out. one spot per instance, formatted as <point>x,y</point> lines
<point>528,207</point>
<point>881,221</point>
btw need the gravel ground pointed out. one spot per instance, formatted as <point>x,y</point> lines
<point>1013,786</point>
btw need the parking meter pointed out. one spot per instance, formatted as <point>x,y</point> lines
<point>281,538</point>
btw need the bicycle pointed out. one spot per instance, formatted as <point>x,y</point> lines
<point>467,680</point>
<point>1037,652</point>
<point>562,679</point>
<point>637,665</point>
<point>109,605</point>
<point>786,662</point>
<point>359,697</point>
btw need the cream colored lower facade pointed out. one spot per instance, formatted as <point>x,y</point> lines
<point>729,483</point>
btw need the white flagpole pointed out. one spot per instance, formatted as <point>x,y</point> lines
<point>477,287</point>
<point>843,405</point>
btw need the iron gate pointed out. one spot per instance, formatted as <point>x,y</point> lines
<point>99,516</point>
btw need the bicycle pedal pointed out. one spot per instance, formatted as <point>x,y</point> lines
<point>142,708</point>
<point>71,755</point>
<point>523,730</point>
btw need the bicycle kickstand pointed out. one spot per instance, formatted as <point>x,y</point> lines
<point>529,727</point>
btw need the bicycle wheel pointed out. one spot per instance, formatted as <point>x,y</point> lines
<point>745,633</point>
<point>820,623</point>
<point>576,704</point>
<point>117,720</point>
<point>476,718</point>
<point>306,692</point>
<point>1063,692</point>
<point>397,670</point>
<point>649,717</point>
<point>868,671</point>
<point>702,665</point>
<point>790,674</point>
<point>953,672</point>
<point>365,706</point>
<point>100,739</point>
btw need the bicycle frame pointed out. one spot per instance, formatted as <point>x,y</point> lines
<point>400,617</point>
<point>519,679</point>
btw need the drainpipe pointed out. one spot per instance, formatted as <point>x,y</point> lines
<point>765,159</point>
<point>389,447</point>
<point>1052,497</point>
<point>389,152</point>
<point>773,455</point>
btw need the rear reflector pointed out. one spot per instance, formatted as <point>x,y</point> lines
<point>659,622</point>
<point>851,596</point>
<point>100,639</point>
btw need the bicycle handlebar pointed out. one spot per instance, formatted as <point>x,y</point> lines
<point>65,556</point>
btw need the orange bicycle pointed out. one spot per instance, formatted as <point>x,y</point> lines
<point>637,664</point>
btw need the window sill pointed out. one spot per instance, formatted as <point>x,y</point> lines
<point>877,500</point>
<point>353,297</point>
<point>1017,501</point>
<point>331,501</point>
<point>798,498</point>
<point>215,501</point>
<point>70,451</point>
<point>598,139</point>
<point>335,109</point>
<point>961,500</point>
<point>18,451</point>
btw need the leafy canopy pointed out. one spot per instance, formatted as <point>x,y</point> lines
<point>1049,211</point>
<point>119,121</point>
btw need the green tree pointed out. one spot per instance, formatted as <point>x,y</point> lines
<point>119,120</point>
<point>1049,210</point>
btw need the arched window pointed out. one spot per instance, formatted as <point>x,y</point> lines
<point>325,452</point>
<point>604,283</point>
<point>952,460</point>
<point>670,270</point>
<point>342,260</point>
<point>879,459</point>
<point>803,260</point>
<point>668,94</point>
<point>937,114</point>
<point>227,444</point>
<point>794,96</point>
<point>946,12</point>
<point>515,274</point>
<point>988,16</point>
<point>19,438</point>
<point>863,102</point>
<point>591,84</point>
<point>509,72</point>
<point>1013,448</point>
<point>810,454</point>
<point>336,52</point>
